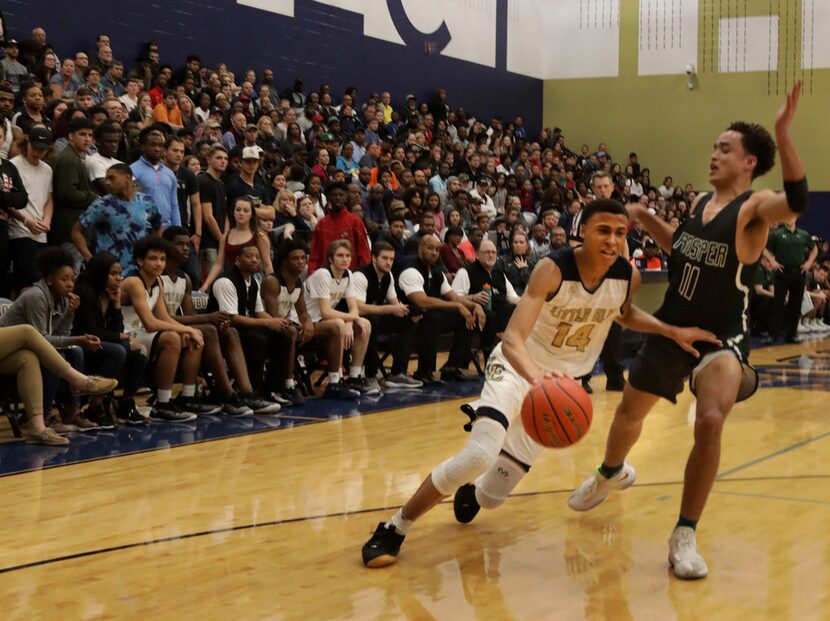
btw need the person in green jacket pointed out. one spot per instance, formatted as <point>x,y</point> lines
<point>73,192</point>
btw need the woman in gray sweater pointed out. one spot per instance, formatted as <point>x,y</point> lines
<point>49,307</point>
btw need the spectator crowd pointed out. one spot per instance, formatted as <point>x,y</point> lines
<point>341,226</point>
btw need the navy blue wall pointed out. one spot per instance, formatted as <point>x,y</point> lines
<point>321,44</point>
<point>817,218</point>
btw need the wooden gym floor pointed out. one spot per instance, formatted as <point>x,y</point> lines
<point>269,525</point>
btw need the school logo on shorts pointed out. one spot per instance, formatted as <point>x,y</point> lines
<point>494,371</point>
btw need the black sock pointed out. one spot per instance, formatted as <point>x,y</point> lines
<point>609,472</point>
<point>684,521</point>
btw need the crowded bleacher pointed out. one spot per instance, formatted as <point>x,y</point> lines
<point>182,227</point>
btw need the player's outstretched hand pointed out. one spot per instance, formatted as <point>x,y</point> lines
<point>787,111</point>
<point>687,337</point>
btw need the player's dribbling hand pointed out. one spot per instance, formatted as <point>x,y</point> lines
<point>552,374</point>
<point>686,337</point>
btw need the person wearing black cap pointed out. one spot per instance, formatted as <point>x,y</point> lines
<point>13,72</point>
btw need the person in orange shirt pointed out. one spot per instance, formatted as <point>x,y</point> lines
<point>168,110</point>
<point>384,162</point>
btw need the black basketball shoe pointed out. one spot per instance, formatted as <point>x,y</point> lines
<point>464,505</point>
<point>382,549</point>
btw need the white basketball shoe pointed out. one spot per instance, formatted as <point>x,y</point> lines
<point>684,558</point>
<point>596,488</point>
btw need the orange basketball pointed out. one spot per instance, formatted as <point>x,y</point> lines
<point>557,412</point>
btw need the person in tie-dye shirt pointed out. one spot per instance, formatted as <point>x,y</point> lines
<point>118,220</point>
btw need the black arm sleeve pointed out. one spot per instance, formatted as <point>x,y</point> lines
<point>798,195</point>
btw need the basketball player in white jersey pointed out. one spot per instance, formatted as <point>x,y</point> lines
<point>221,340</point>
<point>558,328</point>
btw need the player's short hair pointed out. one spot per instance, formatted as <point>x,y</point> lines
<point>336,245</point>
<point>172,232</point>
<point>603,205</point>
<point>148,244</point>
<point>50,260</point>
<point>287,246</point>
<point>381,246</point>
<point>757,141</point>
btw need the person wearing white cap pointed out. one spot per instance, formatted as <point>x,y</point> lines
<point>248,183</point>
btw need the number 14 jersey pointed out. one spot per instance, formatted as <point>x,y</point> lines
<point>573,323</point>
<point>708,285</point>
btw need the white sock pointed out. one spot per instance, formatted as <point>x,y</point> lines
<point>355,371</point>
<point>188,390</point>
<point>334,378</point>
<point>289,383</point>
<point>400,523</point>
<point>164,396</point>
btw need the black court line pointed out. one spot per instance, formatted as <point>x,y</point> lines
<point>308,518</point>
<point>286,417</point>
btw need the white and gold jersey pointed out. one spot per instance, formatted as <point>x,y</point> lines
<point>574,322</point>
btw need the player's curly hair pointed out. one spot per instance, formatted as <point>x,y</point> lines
<point>757,141</point>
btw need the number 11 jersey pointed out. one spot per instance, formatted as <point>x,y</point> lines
<point>708,286</point>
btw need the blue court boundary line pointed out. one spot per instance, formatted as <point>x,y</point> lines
<point>769,456</point>
<point>308,518</point>
<point>287,416</point>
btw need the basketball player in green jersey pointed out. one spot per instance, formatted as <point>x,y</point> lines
<point>713,258</point>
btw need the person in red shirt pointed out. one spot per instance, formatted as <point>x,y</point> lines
<point>157,92</point>
<point>338,224</point>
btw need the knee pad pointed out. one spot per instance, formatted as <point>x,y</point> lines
<point>475,458</point>
<point>494,486</point>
